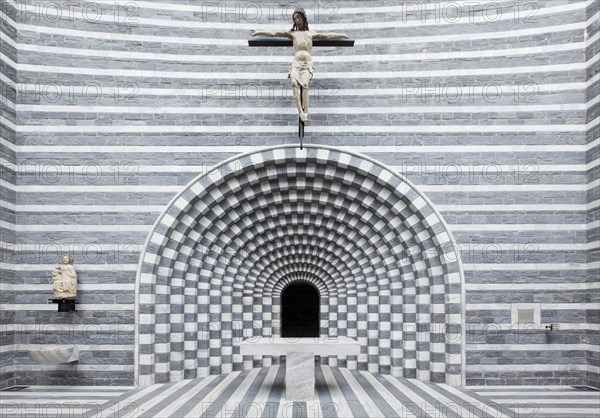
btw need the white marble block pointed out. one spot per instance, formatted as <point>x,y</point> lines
<point>55,355</point>
<point>300,376</point>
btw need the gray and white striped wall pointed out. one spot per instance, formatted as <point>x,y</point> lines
<point>109,111</point>
<point>593,179</point>
<point>8,79</point>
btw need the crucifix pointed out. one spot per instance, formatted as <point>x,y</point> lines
<point>301,70</point>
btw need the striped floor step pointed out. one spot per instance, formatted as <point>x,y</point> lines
<point>544,401</point>
<point>57,401</point>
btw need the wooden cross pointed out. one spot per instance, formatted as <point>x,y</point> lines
<point>289,42</point>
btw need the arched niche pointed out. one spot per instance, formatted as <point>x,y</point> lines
<point>218,257</point>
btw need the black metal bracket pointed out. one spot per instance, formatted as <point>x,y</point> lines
<point>301,131</point>
<point>65,304</point>
<point>300,121</point>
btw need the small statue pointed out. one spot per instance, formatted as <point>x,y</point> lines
<point>64,279</point>
<point>302,68</point>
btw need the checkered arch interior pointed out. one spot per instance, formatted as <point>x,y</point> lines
<point>218,258</point>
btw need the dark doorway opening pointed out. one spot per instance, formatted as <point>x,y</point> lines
<point>300,311</point>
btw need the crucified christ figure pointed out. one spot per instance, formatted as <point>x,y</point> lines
<point>302,68</point>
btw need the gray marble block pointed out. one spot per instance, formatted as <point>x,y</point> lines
<point>300,376</point>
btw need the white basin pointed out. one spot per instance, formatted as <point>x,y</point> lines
<point>60,354</point>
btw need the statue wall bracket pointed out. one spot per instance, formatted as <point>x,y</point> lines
<point>65,304</point>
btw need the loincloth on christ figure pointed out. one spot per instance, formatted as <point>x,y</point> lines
<point>302,69</point>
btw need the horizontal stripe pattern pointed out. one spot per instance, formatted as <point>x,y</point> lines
<point>551,131</point>
<point>544,401</point>
<point>499,16</point>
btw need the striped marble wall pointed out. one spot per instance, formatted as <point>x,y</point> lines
<point>593,181</point>
<point>8,78</point>
<point>487,112</point>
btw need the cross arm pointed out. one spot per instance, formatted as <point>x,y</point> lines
<point>288,42</point>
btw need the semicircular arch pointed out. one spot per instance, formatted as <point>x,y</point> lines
<point>406,269</point>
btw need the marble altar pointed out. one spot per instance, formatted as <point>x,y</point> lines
<point>300,358</point>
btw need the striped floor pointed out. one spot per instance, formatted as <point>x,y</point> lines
<point>340,393</point>
<point>543,401</point>
<point>57,401</point>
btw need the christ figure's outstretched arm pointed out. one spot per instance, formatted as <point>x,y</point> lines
<point>271,34</point>
<point>331,35</point>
